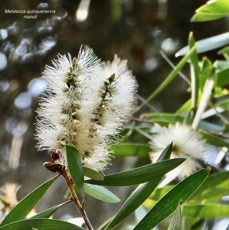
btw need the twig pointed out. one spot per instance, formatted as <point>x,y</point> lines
<point>75,198</point>
<point>56,167</point>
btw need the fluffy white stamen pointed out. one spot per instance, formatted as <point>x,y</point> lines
<point>187,143</point>
<point>86,105</point>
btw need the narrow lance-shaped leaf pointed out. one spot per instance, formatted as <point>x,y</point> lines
<point>140,194</point>
<point>75,167</point>
<point>170,77</point>
<point>207,44</point>
<point>22,209</point>
<point>194,70</point>
<point>203,102</point>
<point>139,175</point>
<point>168,204</point>
<point>101,193</point>
<point>218,181</point>
<point>211,10</point>
<point>49,212</point>
<point>131,149</point>
<point>88,172</point>
<point>164,118</point>
<point>41,224</point>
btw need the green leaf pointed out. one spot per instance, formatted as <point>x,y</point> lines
<point>194,71</point>
<point>139,175</point>
<point>205,211</point>
<point>75,167</point>
<point>223,104</point>
<point>215,140</point>
<point>225,52</point>
<point>175,223</point>
<point>41,224</point>
<point>207,70</point>
<point>210,127</point>
<point>22,209</point>
<point>211,10</point>
<point>131,149</point>
<point>170,77</point>
<point>160,192</point>
<point>139,195</point>
<point>222,71</point>
<point>48,212</point>
<point>186,107</point>
<point>177,196</point>
<point>204,99</point>
<point>218,181</point>
<point>207,44</point>
<point>164,118</point>
<point>88,172</point>
<point>101,193</point>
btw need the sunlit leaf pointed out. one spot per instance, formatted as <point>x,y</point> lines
<point>212,10</point>
<point>41,224</point>
<point>222,71</point>
<point>225,52</point>
<point>139,175</point>
<point>101,193</point>
<point>206,71</point>
<point>207,44</point>
<point>194,72</point>
<point>168,204</point>
<point>75,167</point>
<point>22,209</point>
<point>131,149</point>
<point>160,192</point>
<point>186,107</point>
<point>223,104</point>
<point>218,181</point>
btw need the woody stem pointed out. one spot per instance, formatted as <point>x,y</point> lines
<point>75,198</point>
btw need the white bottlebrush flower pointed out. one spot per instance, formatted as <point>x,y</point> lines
<point>86,105</point>
<point>187,143</point>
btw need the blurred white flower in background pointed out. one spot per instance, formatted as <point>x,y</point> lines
<point>187,143</point>
<point>86,106</point>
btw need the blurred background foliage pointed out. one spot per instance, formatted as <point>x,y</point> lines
<point>135,30</point>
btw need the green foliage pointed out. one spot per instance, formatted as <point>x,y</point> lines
<point>48,212</point>
<point>131,149</point>
<point>43,224</point>
<point>211,11</point>
<point>169,203</point>
<point>22,209</point>
<point>139,175</point>
<point>191,201</point>
<point>207,44</point>
<point>101,193</point>
<point>139,195</point>
<point>75,167</point>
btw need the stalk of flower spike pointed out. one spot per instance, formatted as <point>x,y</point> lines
<point>187,143</point>
<point>86,106</point>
